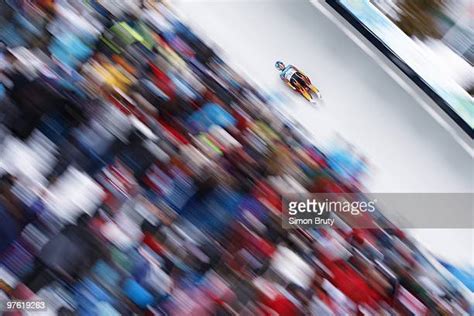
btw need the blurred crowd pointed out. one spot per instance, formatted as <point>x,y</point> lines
<point>140,174</point>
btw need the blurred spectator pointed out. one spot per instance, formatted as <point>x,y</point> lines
<point>67,256</point>
<point>14,214</point>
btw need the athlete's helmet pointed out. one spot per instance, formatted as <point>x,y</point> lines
<point>279,65</point>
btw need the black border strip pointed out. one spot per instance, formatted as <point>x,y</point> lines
<point>407,70</point>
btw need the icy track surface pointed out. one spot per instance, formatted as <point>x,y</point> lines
<point>407,149</point>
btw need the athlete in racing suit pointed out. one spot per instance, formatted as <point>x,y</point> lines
<point>295,78</point>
